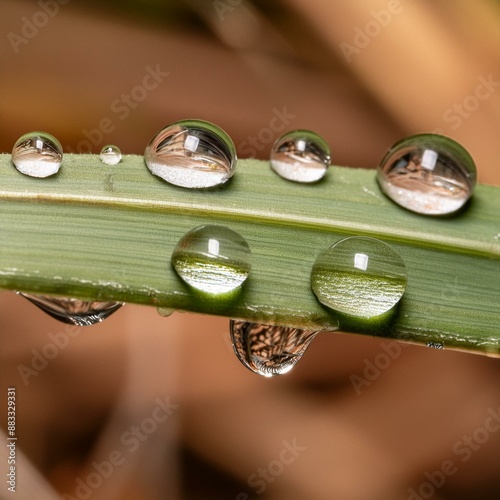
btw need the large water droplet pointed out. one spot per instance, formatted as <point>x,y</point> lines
<point>212,259</point>
<point>73,311</point>
<point>269,349</point>
<point>110,154</point>
<point>428,174</point>
<point>300,156</point>
<point>358,276</point>
<point>37,154</point>
<point>192,154</point>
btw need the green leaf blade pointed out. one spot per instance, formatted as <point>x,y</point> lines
<point>107,232</point>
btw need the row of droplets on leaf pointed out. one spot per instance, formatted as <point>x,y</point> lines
<point>427,173</point>
<point>359,277</point>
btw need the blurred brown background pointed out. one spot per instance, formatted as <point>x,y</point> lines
<point>361,74</point>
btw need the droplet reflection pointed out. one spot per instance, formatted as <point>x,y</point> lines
<point>73,311</point>
<point>300,156</point>
<point>269,350</point>
<point>429,174</point>
<point>110,155</point>
<point>37,154</point>
<point>165,311</point>
<point>192,154</point>
<point>360,277</point>
<point>212,259</point>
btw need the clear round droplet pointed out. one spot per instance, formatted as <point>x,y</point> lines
<point>269,349</point>
<point>300,156</point>
<point>428,173</point>
<point>110,154</point>
<point>212,259</point>
<point>73,311</point>
<point>37,154</point>
<point>360,277</point>
<point>165,311</point>
<point>192,154</point>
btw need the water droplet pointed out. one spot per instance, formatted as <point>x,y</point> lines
<point>435,345</point>
<point>110,154</point>
<point>269,349</point>
<point>73,311</point>
<point>37,154</point>
<point>428,173</point>
<point>358,276</point>
<point>165,311</point>
<point>192,154</point>
<point>212,259</point>
<point>300,156</point>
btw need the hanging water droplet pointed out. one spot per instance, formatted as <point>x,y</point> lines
<point>300,156</point>
<point>212,259</point>
<point>73,311</point>
<point>165,311</point>
<point>358,276</point>
<point>37,154</point>
<point>192,154</point>
<point>269,349</point>
<point>110,154</point>
<point>428,173</point>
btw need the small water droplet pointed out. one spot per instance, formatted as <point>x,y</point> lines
<point>428,173</point>
<point>212,259</point>
<point>37,154</point>
<point>358,276</point>
<point>192,154</point>
<point>73,311</point>
<point>165,311</point>
<point>269,349</point>
<point>435,345</point>
<point>300,156</point>
<point>110,154</point>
